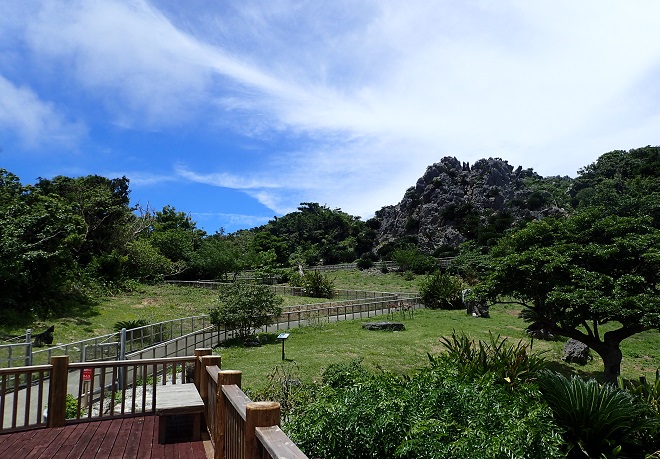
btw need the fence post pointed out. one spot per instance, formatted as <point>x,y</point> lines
<point>28,348</point>
<point>57,390</point>
<point>122,356</point>
<point>198,365</point>
<point>225,378</point>
<point>206,361</point>
<point>258,414</point>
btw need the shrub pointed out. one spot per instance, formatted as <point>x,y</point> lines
<point>129,324</point>
<point>411,259</point>
<point>599,420</point>
<point>71,409</point>
<point>245,307</point>
<point>344,374</point>
<point>317,285</point>
<point>284,386</point>
<point>431,414</point>
<point>364,263</point>
<point>441,291</point>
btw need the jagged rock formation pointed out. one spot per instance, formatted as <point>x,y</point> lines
<point>454,202</point>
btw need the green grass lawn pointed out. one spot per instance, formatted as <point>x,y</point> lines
<point>312,349</point>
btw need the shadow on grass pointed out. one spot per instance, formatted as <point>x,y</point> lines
<point>568,371</point>
<point>258,340</point>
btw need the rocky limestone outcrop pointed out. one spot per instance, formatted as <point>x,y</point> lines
<point>454,202</point>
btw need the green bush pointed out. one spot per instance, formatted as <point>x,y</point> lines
<point>129,324</point>
<point>599,421</point>
<point>245,307</point>
<point>315,284</point>
<point>431,414</point>
<point>411,259</point>
<point>441,291</point>
<point>364,263</point>
<point>71,409</point>
<point>344,374</point>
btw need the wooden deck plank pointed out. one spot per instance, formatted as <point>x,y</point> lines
<point>122,437</point>
<point>107,439</point>
<point>148,447</point>
<point>83,442</point>
<point>112,429</point>
<point>19,446</point>
<point>133,441</point>
<point>41,439</point>
<point>95,442</point>
<point>70,441</point>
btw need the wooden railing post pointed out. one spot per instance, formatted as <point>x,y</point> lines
<point>258,414</point>
<point>198,365</point>
<point>225,378</point>
<point>206,361</point>
<point>57,391</point>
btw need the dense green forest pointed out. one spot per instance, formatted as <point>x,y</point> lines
<point>65,240</point>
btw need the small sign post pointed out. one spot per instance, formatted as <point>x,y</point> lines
<point>87,379</point>
<point>282,337</point>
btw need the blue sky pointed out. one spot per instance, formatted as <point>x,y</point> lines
<point>237,111</point>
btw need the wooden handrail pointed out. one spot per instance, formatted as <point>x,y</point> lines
<point>240,428</point>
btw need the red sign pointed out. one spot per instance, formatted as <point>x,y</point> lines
<point>87,374</point>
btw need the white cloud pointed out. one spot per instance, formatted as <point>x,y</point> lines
<point>367,93</point>
<point>33,121</point>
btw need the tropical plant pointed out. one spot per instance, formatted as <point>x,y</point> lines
<point>600,421</point>
<point>513,364</point>
<point>315,284</point>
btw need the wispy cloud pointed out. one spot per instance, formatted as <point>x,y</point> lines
<point>366,94</point>
<point>34,121</point>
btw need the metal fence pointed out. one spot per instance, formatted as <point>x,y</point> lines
<point>106,347</point>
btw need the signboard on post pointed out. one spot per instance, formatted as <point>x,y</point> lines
<point>87,374</point>
<point>282,337</point>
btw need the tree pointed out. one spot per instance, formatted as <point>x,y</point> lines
<point>575,274</point>
<point>38,236</point>
<point>246,307</point>
<point>625,183</point>
<point>102,203</point>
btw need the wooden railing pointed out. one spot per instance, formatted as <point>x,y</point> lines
<point>38,396</point>
<point>238,427</point>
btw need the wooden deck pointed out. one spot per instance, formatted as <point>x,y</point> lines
<point>113,439</point>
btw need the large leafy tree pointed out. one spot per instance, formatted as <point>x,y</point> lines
<point>39,235</point>
<point>624,183</point>
<point>589,277</point>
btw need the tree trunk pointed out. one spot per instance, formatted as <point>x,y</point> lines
<point>612,356</point>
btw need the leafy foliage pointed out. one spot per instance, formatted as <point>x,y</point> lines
<point>431,414</point>
<point>575,274</point>
<point>245,307</point>
<point>412,259</point>
<point>315,284</point>
<point>511,364</point>
<point>441,291</point>
<point>598,420</point>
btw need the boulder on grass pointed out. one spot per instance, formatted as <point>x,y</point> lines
<point>576,352</point>
<point>391,326</point>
